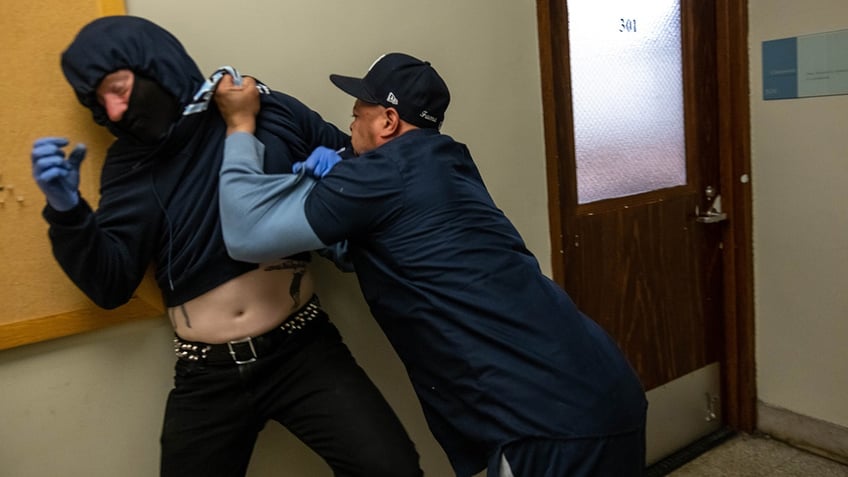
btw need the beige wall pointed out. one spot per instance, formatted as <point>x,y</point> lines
<point>86,405</point>
<point>799,176</point>
<point>92,405</point>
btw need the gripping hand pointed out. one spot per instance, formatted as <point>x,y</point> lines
<point>57,177</point>
<point>319,163</point>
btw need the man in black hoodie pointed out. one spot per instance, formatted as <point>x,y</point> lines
<point>252,341</point>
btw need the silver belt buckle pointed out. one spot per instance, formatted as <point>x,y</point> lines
<point>249,342</point>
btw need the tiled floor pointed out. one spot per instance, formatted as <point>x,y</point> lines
<point>758,456</point>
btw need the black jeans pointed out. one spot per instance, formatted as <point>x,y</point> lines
<point>311,385</point>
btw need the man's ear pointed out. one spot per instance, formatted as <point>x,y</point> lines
<point>392,125</point>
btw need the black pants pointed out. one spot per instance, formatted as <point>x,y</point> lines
<point>311,385</point>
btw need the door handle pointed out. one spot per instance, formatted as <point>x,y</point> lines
<point>713,215</point>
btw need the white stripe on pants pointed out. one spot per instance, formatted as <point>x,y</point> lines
<point>506,470</point>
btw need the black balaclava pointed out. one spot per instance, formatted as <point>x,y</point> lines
<point>109,44</point>
<point>151,112</point>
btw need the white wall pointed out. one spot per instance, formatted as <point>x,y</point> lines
<point>92,404</point>
<point>799,176</point>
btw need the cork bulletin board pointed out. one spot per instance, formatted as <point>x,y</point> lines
<point>37,301</point>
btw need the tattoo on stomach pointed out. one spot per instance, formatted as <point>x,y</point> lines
<point>171,317</point>
<point>185,315</point>
<point>298,269</point>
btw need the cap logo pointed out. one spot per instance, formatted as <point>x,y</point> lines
<point>429,117</point>
<point>392,99</point>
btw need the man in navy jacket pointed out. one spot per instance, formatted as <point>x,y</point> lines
<point>511,375</point>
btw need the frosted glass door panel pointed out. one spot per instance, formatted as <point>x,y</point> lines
<point>627,93</point>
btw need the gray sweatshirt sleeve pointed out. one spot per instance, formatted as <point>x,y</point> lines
<point>262,215</point>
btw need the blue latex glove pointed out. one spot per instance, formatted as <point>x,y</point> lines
<point>319,163</point>
<point>58,178</point>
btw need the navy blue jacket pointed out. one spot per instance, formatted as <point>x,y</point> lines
<point>495,350</point>
<point>159,204</point>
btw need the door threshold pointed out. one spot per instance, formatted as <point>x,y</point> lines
<point>689,453</point>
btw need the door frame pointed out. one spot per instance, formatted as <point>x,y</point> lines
<point>738,379</point>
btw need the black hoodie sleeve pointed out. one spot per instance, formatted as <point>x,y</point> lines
<point>317,132</point>
<point>106,253</point>
<point>290,132</point>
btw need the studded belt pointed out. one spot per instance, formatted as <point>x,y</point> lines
<point>250,349</point>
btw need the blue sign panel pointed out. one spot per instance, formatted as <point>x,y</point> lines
<point>780,69</point>
<point>805,66</point>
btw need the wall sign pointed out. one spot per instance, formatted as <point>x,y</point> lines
<point>805,66</point>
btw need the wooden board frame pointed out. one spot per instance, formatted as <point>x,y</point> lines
<point>40,302</point>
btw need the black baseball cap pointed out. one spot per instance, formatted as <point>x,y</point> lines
<point>400,81</point>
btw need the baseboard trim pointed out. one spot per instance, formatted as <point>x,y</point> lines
<point>808,433</point>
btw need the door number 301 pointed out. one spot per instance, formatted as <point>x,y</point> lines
<point>627,25</point>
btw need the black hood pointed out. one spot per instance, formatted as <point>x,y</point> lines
<point>126,42</point>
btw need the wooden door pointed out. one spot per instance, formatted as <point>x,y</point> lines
<point>652,267</point>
